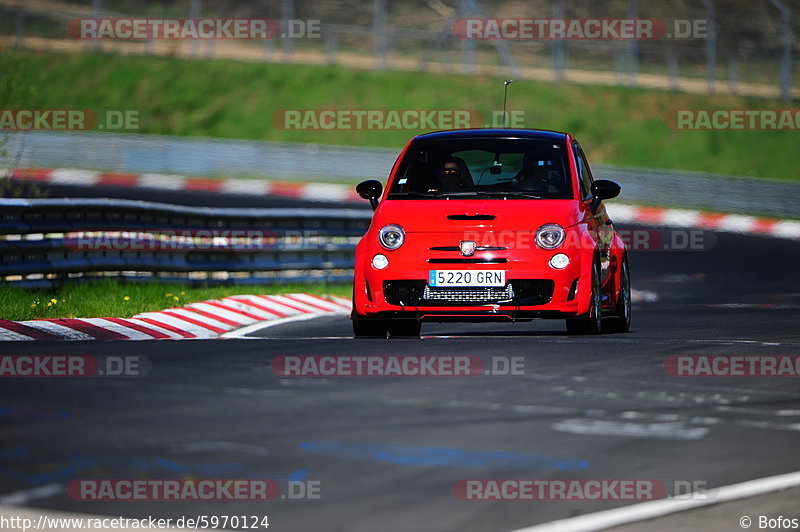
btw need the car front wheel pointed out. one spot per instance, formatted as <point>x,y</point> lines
<point>620,322</point>
<point>404,329</point>
<point>366,328</point>
<point>592,323</point>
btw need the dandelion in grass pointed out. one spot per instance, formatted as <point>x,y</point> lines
<point>126,298</point>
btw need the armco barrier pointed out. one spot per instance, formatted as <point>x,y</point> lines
<point>50,241</point>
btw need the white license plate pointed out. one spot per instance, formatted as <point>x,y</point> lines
<point>467,278</point>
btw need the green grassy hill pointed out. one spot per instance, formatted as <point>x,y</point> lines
<point>221,98</point>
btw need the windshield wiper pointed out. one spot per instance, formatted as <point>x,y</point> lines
<point>514,193</point>
<point>416,194</point>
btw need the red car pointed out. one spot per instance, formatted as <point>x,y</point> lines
<point>490,225</point>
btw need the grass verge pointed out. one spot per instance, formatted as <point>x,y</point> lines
<point>114,298</point>
<point>230,99</point>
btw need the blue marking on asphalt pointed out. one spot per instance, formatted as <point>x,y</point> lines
<point>414,455</point>
<point>13,453</point>
<point>77,463</point>
<point>22,413</point>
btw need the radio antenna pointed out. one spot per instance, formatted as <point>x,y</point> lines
<point>506,83</point>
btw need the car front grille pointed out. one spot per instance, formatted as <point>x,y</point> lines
<point>469,295</point>
<point>523,292</point>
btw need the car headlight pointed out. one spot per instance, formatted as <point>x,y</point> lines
<point>550,236</point>
<point>392,236</point>
<point>380,262</point>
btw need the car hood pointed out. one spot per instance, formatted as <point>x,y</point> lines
<point>437,216</point>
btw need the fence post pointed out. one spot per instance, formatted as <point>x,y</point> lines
<point>786,56</point>
<point>467,8</point>
<point>711,45</point>
<point>287,14</point>
<point>97,12</point>
<point>672,67</point>
<point>733,72</point>
<point>329,38</point>
<point>379,36</point>
<point>194,12</point>
<point>559,53</point>
<point>633,46</point>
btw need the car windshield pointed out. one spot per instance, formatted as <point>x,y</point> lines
<point>502,168</point>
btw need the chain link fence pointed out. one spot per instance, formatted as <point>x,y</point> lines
<point>745,46</point>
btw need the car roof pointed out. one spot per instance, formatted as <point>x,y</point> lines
<point>535,134</point>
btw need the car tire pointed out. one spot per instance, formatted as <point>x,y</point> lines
<point>592,323</point>
<point>366,328</point>
<point>620,321</point>
<point>404,328</point>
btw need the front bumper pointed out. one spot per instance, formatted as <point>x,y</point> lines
<point>534,293</point>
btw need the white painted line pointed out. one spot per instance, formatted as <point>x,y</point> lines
<point>326,192</point>
<point>297,304</point>
<point>737,224</point>
<point>268,302</point>
<point>314,300</point>
<point>244,331</point>
<point>58,330</point>
<point>787,229</point>
<point>199,317</point>
<point>643,296</point>
<point>67,176</point>
<point>250,309</point>
<point>200,332</point>
<point>6,335</point>
<point>681,217</point>
<point>205,446</point>
<point>621,213</point>
<point>132,334</point>
<point>244,186</point>
<point>241,319</point>
<point>658,431</point>
<point>171,334</point>
<point>343,301</point>
<point>651,509</point>
<point>167,182</point>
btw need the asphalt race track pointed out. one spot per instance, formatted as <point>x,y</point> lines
<point>387,452</point>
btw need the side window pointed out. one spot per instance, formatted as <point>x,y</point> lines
<point>585,172</point>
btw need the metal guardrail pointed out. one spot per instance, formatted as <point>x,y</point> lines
<point>154,154</point>
<point>46,242</point>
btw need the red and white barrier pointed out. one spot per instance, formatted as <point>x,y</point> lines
<point>206,319</point>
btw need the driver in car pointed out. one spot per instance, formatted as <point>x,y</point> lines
<point>450,177</point>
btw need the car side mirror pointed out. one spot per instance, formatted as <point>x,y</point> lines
<point>603,189</point>
<point>370,190</point>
